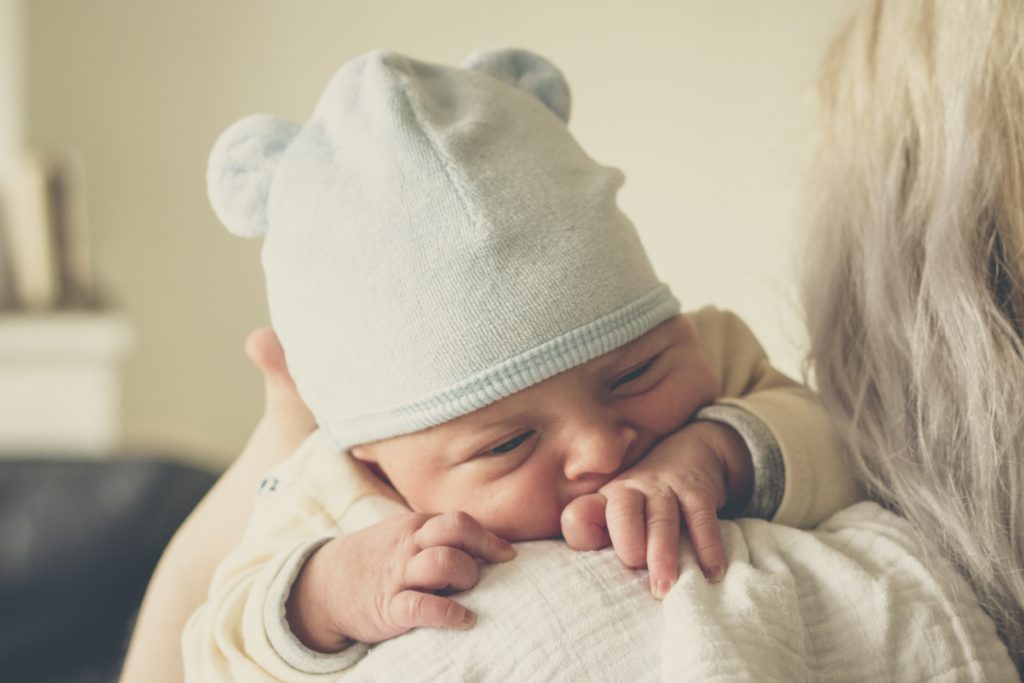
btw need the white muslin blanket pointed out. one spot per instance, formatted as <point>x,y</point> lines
<point>853,600</point>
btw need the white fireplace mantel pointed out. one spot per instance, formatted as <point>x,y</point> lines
<point>60,382</point>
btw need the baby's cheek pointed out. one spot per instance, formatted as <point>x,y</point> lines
<point>695,389</point>
<point>529,518</point>
<point>525,506</point>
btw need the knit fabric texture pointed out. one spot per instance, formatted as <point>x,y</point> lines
<point>435,239</point>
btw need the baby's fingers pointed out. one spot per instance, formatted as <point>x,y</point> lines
<point>441,568</point>
<point>625,516</point>
<point>410,609</point>
<point>461,530</point>
<point>705,535</point>
<point>583,525</point>
<point>662,542</point>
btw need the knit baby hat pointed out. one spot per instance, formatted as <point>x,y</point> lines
<point>435,240</point>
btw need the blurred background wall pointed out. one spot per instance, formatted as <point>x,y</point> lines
<point>11,72</point>
<point>707,107</point>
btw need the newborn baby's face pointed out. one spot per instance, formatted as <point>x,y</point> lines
<point>513,465</point>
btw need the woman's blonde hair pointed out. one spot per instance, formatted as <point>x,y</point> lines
<point>914,291</point>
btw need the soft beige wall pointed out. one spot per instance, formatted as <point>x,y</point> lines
<point>11,80</point>
<point>705,105</point>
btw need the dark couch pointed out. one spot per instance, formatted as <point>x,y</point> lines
<point>78,542</point>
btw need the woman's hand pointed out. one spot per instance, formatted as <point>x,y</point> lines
<point>378,583</point>
<point>182,578</point>
<point>283,408</point>
<point>695,472</point>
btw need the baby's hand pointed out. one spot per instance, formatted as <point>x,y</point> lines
<point>384,580</point>
<point>638,511</point>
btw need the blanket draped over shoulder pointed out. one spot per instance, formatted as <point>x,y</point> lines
<point>856,599</point>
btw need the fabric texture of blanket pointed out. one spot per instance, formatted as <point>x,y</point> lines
<point>854,600</point>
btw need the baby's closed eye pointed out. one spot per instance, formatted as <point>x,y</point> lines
<point>633,374</point>
<point>511,444</point>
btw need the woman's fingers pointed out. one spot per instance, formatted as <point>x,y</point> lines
<point>460,530</point>
<point>283,403</point>
<point>583,523</point>
<point>662,542</point>
<point>410,609</point>
<point>264,350</point>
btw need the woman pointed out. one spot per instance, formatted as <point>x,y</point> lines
<point>183,575</point>
<point>915,285</point>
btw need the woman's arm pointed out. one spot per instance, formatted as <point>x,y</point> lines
<point>183,575</point>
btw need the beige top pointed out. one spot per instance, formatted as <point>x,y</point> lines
<point>819,480</point>
<point>240,633</point>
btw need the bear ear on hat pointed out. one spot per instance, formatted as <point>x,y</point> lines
<point>240,170</point>
<point>526,71</point>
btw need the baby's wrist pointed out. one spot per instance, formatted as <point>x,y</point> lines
<point>307,610</point>
<point>734,455</point>
<point>767,469</point>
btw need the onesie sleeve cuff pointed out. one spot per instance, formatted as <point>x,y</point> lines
<point>765,455</point>
<point>275,622</point>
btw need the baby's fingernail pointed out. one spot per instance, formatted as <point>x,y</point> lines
<point>469,619</point>
<point>506,547</point>
<point>715,574</point>
<point>661,588</point>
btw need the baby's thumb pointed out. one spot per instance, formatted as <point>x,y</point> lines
<point>583,523</point>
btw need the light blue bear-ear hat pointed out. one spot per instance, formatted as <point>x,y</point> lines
<point>435,239</point>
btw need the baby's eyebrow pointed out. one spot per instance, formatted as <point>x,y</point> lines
<point>465,446</point>
<point>640,347</point>
<point>501,422</point>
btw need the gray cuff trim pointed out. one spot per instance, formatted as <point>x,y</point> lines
<point>275,622</point>
<point>769,469</point>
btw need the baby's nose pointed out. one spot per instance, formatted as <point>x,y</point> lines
<point>599,450</point>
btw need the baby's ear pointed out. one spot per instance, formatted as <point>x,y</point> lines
<point>241,166</point>
<point>526,71</point>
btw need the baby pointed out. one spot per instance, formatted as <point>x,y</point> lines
<point>470,317</point>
